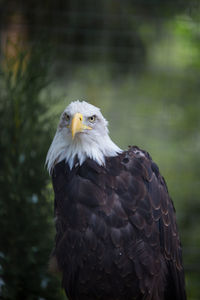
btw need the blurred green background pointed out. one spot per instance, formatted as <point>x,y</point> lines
<point>139,61</point>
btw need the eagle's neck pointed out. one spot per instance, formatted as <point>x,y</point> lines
<point>63,148</point>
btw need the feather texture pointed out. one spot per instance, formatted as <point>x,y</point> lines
<point>116,235</point>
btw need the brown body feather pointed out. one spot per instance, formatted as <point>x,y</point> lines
<point>116,235</point>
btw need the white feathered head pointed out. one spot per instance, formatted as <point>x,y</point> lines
<point>82,133</point>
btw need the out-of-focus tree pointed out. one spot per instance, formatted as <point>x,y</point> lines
<point>94,31</point>
<point>26,210</point>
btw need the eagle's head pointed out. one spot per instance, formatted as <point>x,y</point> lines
<point>82,133</point>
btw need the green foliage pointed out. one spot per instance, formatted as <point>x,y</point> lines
<point>26,208</point>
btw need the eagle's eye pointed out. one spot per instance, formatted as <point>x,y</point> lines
<point>92,119</point>
<point>66,116</point>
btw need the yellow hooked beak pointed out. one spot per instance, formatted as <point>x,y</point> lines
<point>77,124</point>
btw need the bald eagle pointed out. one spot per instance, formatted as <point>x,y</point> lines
<point>116,232</point>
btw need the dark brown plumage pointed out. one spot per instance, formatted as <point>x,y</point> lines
<point>116,235</point>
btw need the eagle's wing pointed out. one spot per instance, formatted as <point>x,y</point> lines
<point>154,217</point>
<point>116,230</point>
